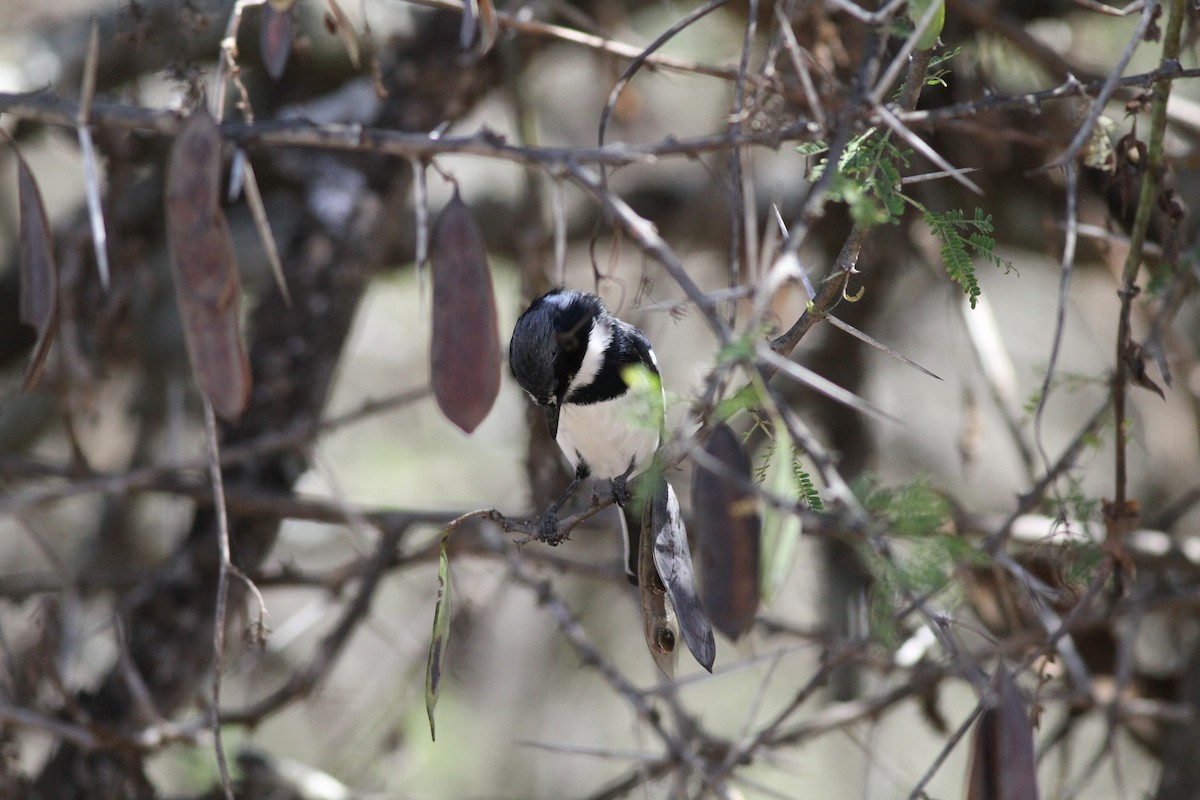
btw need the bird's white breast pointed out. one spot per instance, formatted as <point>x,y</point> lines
<point>606,435</point>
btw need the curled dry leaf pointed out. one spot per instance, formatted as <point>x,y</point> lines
<point>441,634</point>
<point>479,26</point>
<point>465,350</point>
<point>674,562</point>
<point>1135,367</point>
<point>39,270</point>
<point>1002,759</point>
<point>206,276</point>
<point>728,530</point>
<point>658,617</point>
<point>275,38</point>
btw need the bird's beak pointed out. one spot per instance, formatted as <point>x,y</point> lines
<point>551,411</point>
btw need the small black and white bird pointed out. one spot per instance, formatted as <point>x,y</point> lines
<point>575,359</point>
<point>571,355</point>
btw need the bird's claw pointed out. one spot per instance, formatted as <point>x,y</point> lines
<point>620,490</point>
<point>548,531</point>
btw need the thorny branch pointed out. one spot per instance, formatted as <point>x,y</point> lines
<point>1148,198</point>
<point>45,108</point>
<point>1044,610</point>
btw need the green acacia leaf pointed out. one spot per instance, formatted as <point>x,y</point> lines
<point>646,401</point>
<point>960,238</point>
<point>916,10</point>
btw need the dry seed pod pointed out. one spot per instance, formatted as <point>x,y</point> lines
<point>658,617</point>
<point>673,560</point>
<point>275,39</point>
<point>206,276</point>
<point>465,349</point>
<point>1002,759</point>
<point>728,530</point>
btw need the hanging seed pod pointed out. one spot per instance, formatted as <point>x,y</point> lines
<point>275,39</point>
<point>728,529</point>
<point>465,349</point>
<point>206,275</point>
<point>658,617</point>
<point>674,562</point>
<point>1003,766</point>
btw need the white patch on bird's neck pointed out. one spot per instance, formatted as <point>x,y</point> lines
<point>599,338</point>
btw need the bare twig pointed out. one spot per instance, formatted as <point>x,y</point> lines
<point>520,24</point>
<point>222,590</point>
<point>146,477</point>
<point>951,743</point>
<point>1151,178</point>
<point>641,58</point>
<point>570,628</point>
<point>643,232</point>
<point>1064,287</point>
<point>259,212</point>
<point>304,680</point>
<point>1110,84</point>
<point>56,727</point>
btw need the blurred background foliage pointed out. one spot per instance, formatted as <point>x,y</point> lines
<point>344,473</point>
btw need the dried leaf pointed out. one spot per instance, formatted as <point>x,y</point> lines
<point>674,563</point>
<point>1135,367</point>
<point>39,270</point>
<point>441,634</point>
<point>275,36</point>
<point>489,26</point>
<point>1002,758</point>
<point>206,276</point>
<point>465,351</point>
<point>658,617</point>
<point>479,26</point>
<point>728,531</point>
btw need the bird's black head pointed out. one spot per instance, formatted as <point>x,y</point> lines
<point>550,341</point>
